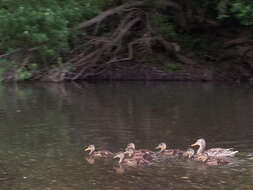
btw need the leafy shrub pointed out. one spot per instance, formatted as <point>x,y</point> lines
<point>32,23</point>
<point>162,25</point>
<point>240,10</point>
<point>11,70</point>
<point>172,66</point>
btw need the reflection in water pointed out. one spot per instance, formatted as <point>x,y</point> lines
<point>90,160</point>
<point>44,128</point>
<point>119,169</point>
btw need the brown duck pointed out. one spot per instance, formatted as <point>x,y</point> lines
<point>205,158</point>
<point>213,152</point>
<point>131,162</point>
<point>168,152</point>
<point>98,154</point>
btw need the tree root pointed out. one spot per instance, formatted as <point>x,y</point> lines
<point>131,40</point>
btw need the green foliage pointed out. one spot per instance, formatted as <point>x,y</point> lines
<point>45,24</point>
<point>6,68</point>
<point>25,73</point>
<point>162,25</point>
<point>105,4</point>
<point>222,8</point>
<point>15,71</point>
<point>172,66</point>
<point>199,44</point>
<point>240,10</point>
<point>244,12</point>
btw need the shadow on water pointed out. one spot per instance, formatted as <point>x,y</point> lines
<point>44,128</point>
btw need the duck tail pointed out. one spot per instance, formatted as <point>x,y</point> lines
<point>232,153</point>
<point>235,152</point>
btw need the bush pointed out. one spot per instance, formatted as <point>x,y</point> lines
<point>239,10</point>
<point>43,24</point>
<point>11,70</point>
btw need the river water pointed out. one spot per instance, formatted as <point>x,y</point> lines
<point>44,128</point>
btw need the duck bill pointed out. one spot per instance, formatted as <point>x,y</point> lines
<point>117,156</point>
<point>195,144</point>
<point>251,158</point>
<point>87,149</point>
<point>158,147</point>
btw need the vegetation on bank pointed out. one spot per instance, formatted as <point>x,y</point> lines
<point>80,39</point>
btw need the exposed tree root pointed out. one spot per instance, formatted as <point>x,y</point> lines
<point>131,40</point>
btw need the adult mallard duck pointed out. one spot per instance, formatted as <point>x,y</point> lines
<point>169,152</point>
<point>205,158</point>
<point>132,162</point>
<point>98,154</point>
<point>214,152</point>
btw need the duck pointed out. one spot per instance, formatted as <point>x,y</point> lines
<point>213,152</point>
<point>133,154</point>
<point>98,154</point>
<point>139,151</point>
<point>189,153</point>
<point>130,162</point>
<point>169,152</point>
<point>213,161</point>
<point>205,158</point>
<point>90,160</point>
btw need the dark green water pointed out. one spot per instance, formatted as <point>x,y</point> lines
<point>44,127</point>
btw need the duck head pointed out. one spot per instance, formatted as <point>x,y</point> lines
<point>161,146</point>
<point>202,145</point>
<point>129,151</point>
<point>130,145</point>
<point>119,155</point>
<point>90,148</point>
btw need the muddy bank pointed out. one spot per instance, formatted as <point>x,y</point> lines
<point>198,72</point>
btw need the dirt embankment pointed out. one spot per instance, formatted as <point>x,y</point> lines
<point>233,63</point>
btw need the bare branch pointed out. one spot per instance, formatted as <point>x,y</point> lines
<point>102,16</point>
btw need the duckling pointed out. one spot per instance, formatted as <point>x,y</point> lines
<point>90,160</point>
<point>205,158</point>
<point>189,153</point>
<point>215,152</point>
<point>139,151</point>
<point>132,162</point>
<point>98,154</point>
<point>132,145</point>
<point>139,155</point>
<point>168,152</point>
<point>213,161</point>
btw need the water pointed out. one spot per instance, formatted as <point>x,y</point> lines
<point>44,128</point>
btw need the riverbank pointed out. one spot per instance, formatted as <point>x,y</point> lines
<point>135,40</point>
